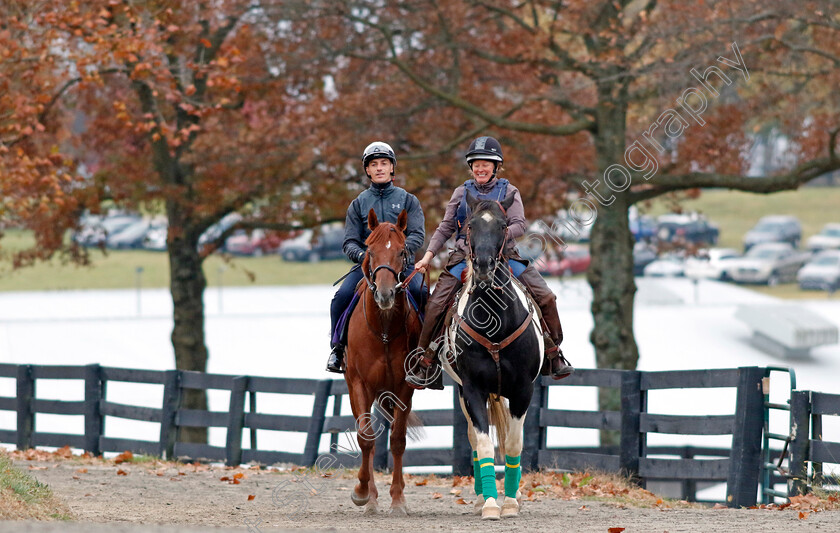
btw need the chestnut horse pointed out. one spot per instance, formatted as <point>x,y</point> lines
<point>383,329</point>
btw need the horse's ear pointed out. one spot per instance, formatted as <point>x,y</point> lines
<point>508,201</point>
<point>372,220</point>
<point>471,201</point>
<point>402,221</point>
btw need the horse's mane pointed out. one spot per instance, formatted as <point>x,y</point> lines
<point>382,233</point>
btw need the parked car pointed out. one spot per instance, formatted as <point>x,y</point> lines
<point>713,263</point>
<point>255,243</point>
<point>215,231</point>
<point>573,260</point>
<point>643,255</point>
<point>643,228</point>
<point>770,263</point>
<point>774,228</point>
<point>687,228</point>
<point>827,239</point>
<point>129,238</point>
<point>822,272</point>
<point>95,230</point>
<point>155,238</point>
<point>329,244</point>
<point>669,265</point>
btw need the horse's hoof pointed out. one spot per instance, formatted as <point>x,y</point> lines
<point>479,503</point>
<point>358,500</point>
<point>491,510</point>
<point>510,508</point>
<point>371,509</point>
<point>400,510</point>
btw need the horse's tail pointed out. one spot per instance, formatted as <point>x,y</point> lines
<point>415,430</point>
<point>499,417</point>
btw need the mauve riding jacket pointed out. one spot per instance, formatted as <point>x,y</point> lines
<point>449,225</point>
<point>387,201</point>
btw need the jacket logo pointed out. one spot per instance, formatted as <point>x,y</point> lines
<point>395,206</point>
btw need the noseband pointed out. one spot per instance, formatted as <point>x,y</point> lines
<point>370,279</point>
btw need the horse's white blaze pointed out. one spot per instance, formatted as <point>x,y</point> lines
<point>513,440</point>
<point>487,217</point>
<point>484,445</point>
<point>388,246</point>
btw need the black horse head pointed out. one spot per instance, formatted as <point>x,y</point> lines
<point>487,233</point>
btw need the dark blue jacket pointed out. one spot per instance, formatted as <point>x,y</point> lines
<point>387,202</point>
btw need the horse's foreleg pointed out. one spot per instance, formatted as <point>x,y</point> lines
<point>361,403</point>
<point>472,436</point>
<point>513,468</point>
<point>398,431</point>
<point>476,405</point>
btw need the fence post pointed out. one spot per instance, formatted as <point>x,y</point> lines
<point>800,431</point>
<point>534,434</point>
<point>93,417</point>
<point>461,449</point>
<point>632,439</point>
<point>171,403</point>
<point>316,423</point>
<point>25,416</point>
<point>745,457</point>
<point>236,420</point>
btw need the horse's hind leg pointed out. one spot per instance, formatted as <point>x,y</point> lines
<point>513,445</point>
<point>365,492</point>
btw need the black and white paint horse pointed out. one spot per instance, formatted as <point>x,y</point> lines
<point>494,353</point>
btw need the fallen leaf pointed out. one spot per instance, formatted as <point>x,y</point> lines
<point>182,473</point>
<point>82,471</point>
<point>122,472</point>
<point>803,515</point>
<point>456,492</point>
<point>224,478</point>
<point>616,529</point>
<point>37,467</point>
<point>238,475</point>
<point>174,479</point>
<point>582,508</point>
<point>437,495</point>
<point>76,477</point>
<point>659,501</point>
<point>719,506</point>
<point>808,501</point>
<point>123,457</point>
<point>421,482</point>
<point>460,501</point>
<point>251,497</point>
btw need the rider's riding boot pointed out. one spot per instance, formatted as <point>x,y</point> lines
<point>336,361</point>
<point>428,373</point>
<point>559,367</point>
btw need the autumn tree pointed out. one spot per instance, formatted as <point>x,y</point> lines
<point>197,110</point>
<point>638,99</point>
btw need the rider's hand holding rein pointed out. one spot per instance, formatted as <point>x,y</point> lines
<point>423,265</point>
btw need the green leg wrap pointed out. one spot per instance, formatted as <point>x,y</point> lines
<point>476,474</point>
<point>488,478</point>
<point>513,473</point>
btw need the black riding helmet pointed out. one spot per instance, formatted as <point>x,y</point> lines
<point>488,149</point>
<point>376,150</point>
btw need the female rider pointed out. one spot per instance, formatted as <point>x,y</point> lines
<point>485,159</point>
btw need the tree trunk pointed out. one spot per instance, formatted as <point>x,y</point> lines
<point>187,284</point>
<point>610,273</point>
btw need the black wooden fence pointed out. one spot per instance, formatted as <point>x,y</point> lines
<point>807,447</point>
<point>739,465</point>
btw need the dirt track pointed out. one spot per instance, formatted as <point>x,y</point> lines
<point>196,499</point>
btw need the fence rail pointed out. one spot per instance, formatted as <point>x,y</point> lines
<point>739,466</point>
<point>808,450</point>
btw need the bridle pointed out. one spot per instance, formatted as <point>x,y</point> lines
<point>500,257</point>
<point>370,278</point>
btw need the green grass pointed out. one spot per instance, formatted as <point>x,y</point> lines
<point>737,212</point>
<point>118,269</point>
<point>22,496</point>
